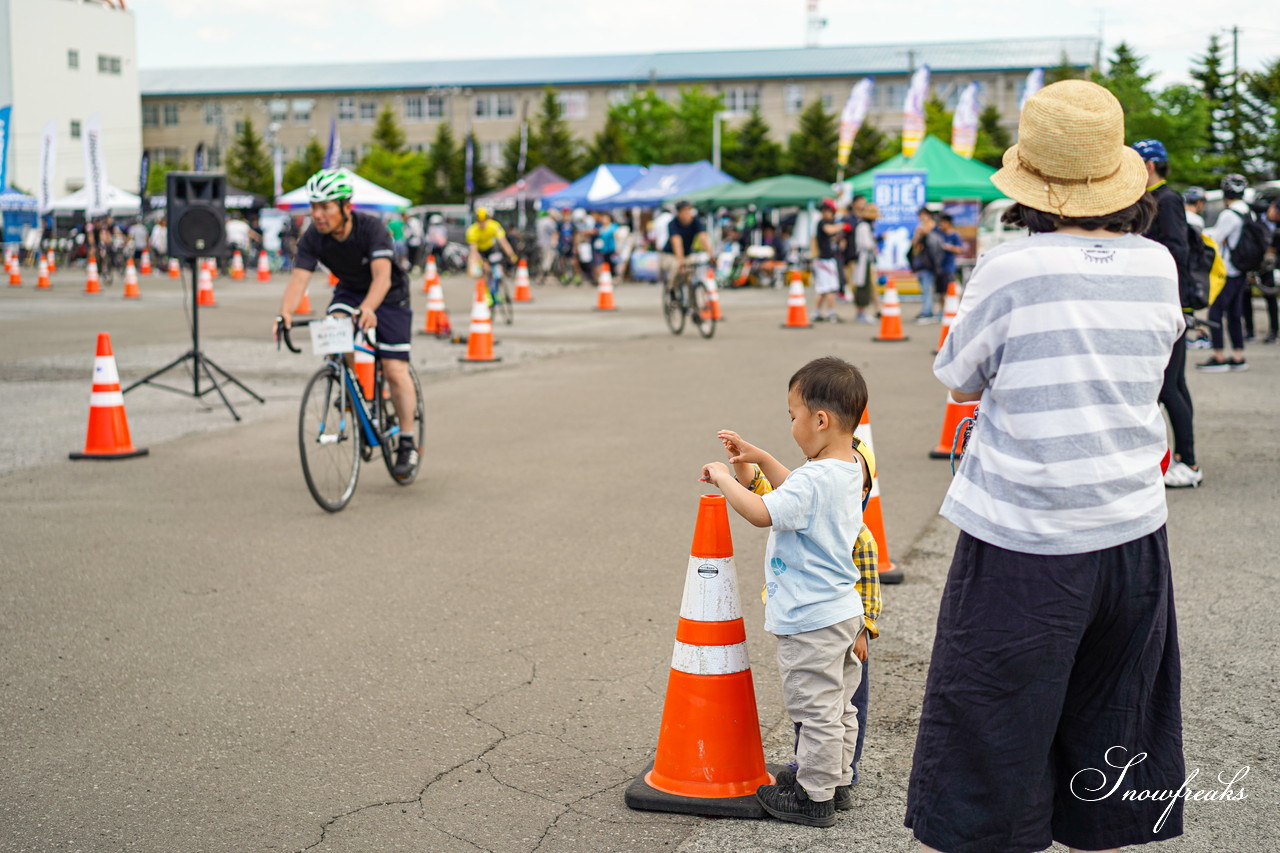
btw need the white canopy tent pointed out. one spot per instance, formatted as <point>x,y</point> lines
<point>366,196</point>
<point>118,201</point>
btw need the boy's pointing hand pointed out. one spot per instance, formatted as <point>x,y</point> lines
<point>738,450</point>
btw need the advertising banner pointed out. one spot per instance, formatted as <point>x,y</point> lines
<point>1035,82</point>
<point>899,196</point>
<point>964,126</point>
<point>913,111</point>
<point>851,118</point>
<point>48,159</point>
<point>95,169</point>
<point>5,112</point>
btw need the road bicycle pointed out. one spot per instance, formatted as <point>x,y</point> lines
<point>499,290</point>
<point>339,423</point>
<point>685,296</point>
<point>560,269</point>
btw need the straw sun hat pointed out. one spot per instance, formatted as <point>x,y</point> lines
<point>1071,158</point>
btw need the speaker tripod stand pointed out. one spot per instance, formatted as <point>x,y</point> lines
<point>200,363</point>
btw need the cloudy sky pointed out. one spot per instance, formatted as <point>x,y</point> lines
<point>174,33</point>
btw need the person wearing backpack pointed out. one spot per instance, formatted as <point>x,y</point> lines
<point>1170,229</point>
<point>1235,235</point>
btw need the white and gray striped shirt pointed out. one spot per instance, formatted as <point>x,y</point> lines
<point>1067,337</point>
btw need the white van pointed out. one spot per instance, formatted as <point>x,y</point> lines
<point>991,231</point>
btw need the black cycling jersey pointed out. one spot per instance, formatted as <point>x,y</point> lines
<point>688,234</point>
<point>349,259</point>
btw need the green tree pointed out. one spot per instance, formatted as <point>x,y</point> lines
<point>645,123</point>
<point>993,137</point>
<point>1209,71</point>
<point>1064,70</point>
<point>551,143</point>
<point>296,172</point>
<point>1126,80</point>
<point>871,147</point>
<point>937,119</point>
<point>811,149</point>
<point>749,153</point>
<point>442,180</point>
<point>510,171</point>
<point>249,165</point>
<point>402,172</point>
<point>1263,89</point>
<point>482,181</point>
<point>156,177</point>
<point>387,132</point>
<point>694,113</point>
<point>608,146</point>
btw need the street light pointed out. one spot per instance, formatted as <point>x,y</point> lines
<point>715,136</point>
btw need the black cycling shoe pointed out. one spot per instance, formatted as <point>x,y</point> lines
<point>792,804</point>
<point>406,459</point>
<point>844,793</point>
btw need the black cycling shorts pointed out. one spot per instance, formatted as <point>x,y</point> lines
<point>395,322</point>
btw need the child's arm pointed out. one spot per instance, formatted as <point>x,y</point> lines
<point>748,504</point>
<point>866,557</point>
<point>741,452</point>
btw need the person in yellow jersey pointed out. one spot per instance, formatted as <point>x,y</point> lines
<point>482,235</point>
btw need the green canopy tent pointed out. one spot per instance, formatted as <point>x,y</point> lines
<point>950,175</point>
<point>778,191</point>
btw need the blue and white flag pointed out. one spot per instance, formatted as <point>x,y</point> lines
<point>98,202</point>
<point>471,161</point>
<point>48,159</point>
<point>1035,82</point>
<point>5,112</point>
<point>333,156</point>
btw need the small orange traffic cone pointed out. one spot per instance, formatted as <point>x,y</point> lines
<point>950,305</point>
<point>131,290</point>
<point>364,367</point>
<point>174,270</point>
<point>15,271</point>
<point>523,292</point>
<point>264,266</point>
<point>144,265</point>
<point>797,309</point>
<point>333,280</point>
<point>480,336</point>
<point>604,299</point>
<point>713,295</point>
<point>108,436</point>
<point>91,282</point>
<point>237,266</point>
<point>873,516</point>
<point>304,304</point>
<point>204,290</point>
<point>890,315</point>
<point>710,759</point>
<point>53,263</point>
<point>435,307</point>
<point>42,275</point>
<point>951,419</point>
<point>430,274</point>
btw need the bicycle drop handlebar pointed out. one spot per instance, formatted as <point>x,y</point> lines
<point>282,333</point>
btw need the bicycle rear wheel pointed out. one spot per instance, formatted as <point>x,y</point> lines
<point>673,306</point>
<point>392,428</point>
<point>329,440</point>
<point>503,304</point>
<point>703,314</point>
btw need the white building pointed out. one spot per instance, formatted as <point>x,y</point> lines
<point>66,60</point>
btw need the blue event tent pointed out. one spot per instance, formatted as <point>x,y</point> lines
<point>664,183</point>
<point>17,211</point>
<point>601,182</point>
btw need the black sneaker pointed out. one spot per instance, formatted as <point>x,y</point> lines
<point>792,804</point>
<point>406,459</point>
<point>1238,365</point>
<point>844,793</point>
<point>1214,365</point>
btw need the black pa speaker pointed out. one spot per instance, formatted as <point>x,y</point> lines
<point>197,212</point>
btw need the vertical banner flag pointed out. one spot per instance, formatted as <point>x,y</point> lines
<point>144,173</point>
<point>48,159</point>
<point>471,160</point>
<point>964,126</point>
<point>333,156</point>
<point>1035,82</point>
<point>5,112</point>
<point>913,112</point>
<point>199,158</point>
<point>851,117</point>
<point>278,168</point>
<point>95,169</point>
<point>899,195</point>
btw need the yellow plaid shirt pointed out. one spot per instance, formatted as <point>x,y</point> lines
<point>866,554</point>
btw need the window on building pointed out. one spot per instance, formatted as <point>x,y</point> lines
<point>435,106</point>
<point>742,99</point>
<point>828,101</point>
<point>573,105</point>
<point>302,109</point>
<point>213,113</point>
<point>150,115</point>
<point>619,96</point>
<point>420,148</point>
<point>75,129</point>
<point>495,106</point>
<point>170,115</point>
<point>239,128</point>
<point>346,109</point>
<point>348,158</point>
<point>413,108</point>
<point>278,109</point>
<point>368,110</point>
<point>213,155</point>
<point>107,64</point>
<point>793,96</point>
<point>73,59</point>
<point>491,153</point>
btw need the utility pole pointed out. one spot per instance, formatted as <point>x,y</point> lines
<point>1234,123</point>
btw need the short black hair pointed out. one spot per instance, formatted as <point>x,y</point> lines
<point>834,386</point>
<point>682,205</point>
<point>1134,219</point>
<point>1161,167</point>
<point>924,211</point>
<point>944,217</point>
<point>857,196</point>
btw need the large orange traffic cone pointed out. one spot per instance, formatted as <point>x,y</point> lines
<point>144,265</point>
<point>872,516</point>
<point>480,336</point>
<point>15,271</point>
<point>604,297</point>
<point>237,266</point>
<point>710,759</point>
<point>175,271</point>
<point>949,307</point>
<point>53,263</point>
<point>430,275</point>
<point>435,308</point>
<point>108,436</point>
<point>713,295</point>
<point>204,291</point>
<point>890,315</point>
<point>523,292</point>
<point>304,304</point>
<point>264,266</point>
<point>797,309</point>
<point>131,290</point>
<point>951,420</point>
<point>364,366</point>
<point>42,275</point>
<point>91,282</point>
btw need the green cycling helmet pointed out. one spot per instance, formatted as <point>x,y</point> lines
<point>330,185</point>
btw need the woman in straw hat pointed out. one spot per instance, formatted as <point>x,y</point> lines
<point>1054,685</point>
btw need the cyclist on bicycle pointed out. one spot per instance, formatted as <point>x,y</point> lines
<point>357,248</point>
<point>482,235</point>
<point>685,235</point>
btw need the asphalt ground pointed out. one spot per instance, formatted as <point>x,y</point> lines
<point>194,656</point>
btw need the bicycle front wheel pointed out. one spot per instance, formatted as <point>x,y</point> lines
<point>394,426</point>
<point>329,440</point>
<point>673,307</point>
<point>703,313</point>
<point>503,303</point>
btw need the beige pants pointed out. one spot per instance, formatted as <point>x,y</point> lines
<point>819,674</point>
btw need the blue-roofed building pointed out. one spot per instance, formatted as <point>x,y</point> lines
<point>182,108</point>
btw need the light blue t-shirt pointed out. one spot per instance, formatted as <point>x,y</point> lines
<point>810,580</point>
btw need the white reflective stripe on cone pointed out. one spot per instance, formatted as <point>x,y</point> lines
<point>710,660</point>
<point>104,370</point>
<point>710,590</point>
<point>105,399</point>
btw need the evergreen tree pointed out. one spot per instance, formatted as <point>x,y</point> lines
<point>645,123</point>
<point>249,165</point>
<point>1185,119</point>
<point>1132,87</point>
<point>811,150</point>
<point>608,146</point>
<point>510,171</point>
<point>694,113</point>
<point>442,181</point>
<point>387,133</point>
<point>1064,70</point>
<point>1209,71</point>
<point>749,154</point>
<point>156,177</point>
<point>296,172</point>
<point>937,119</point>
<point>551,143</point>
<point>402,172</point>
<point>870,148</point>
<point>1263,90</point>
<point>993,137</point>
<point>482,182</point>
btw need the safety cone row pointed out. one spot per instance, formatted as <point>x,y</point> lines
<point>523,292</point>
<point>713,296</point>
<point>951,419</point>
<point>890,315</point>
<point>237,266</point>
<point>131,290</point>
<point>42,275</point>
<point>873,516</point>
<point>108,434</point>
<point>480,335</point>
<point>264,266</point>
<point>950,305</point>
<point>430,275</point>
<point>144,263</point>
<point>437,314</point>
<point>175,271</point>
<point>710,759</point>
<point>52,261</point>
<point>204,289</point>
<point>604,290</point>
<point>92,284</point>
<point>797,308</point>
